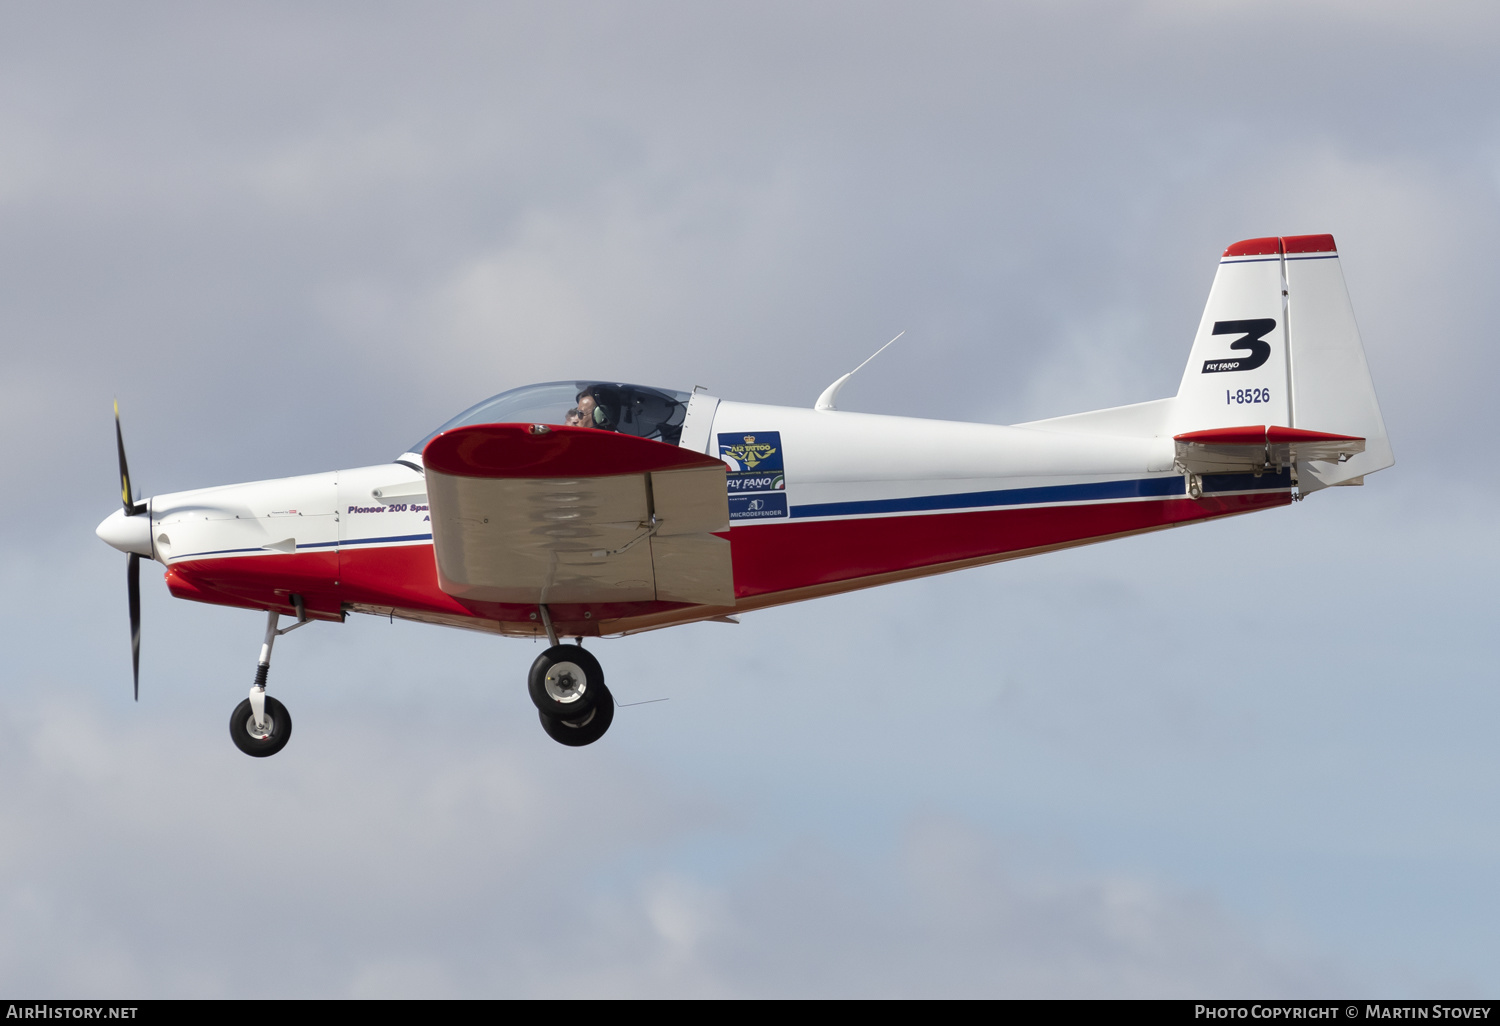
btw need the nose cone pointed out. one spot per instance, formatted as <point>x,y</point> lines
<point>128,534</point>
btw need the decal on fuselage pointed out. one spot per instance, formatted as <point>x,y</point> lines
<point>1252,340</point>
<point>757,507</point>
<point>756,477</point>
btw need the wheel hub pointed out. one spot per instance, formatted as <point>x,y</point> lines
<point>260,733</point>
<point>566,683</point>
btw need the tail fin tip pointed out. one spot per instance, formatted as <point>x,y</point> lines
<point>1279,245</point>
<point>1270,246</point>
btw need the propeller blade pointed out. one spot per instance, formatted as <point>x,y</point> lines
<point>131,507</point>
<point>133,583</point>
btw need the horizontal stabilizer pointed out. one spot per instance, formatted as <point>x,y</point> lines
<point>1259,447</point>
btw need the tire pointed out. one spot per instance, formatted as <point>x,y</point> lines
<point>559,671</point>
<point>281,729</point>
<point>577,733</point>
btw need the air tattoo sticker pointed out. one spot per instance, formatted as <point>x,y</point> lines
<point>757,475</point>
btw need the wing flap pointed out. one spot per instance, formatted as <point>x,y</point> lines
<point>693,568</point>
<point>690,501</point>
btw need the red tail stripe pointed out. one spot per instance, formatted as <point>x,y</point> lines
<point>1256,434</point>
<point>1253,434</point>
<point>1272,246</point>
<point>1308,244</point>
<point>1269,246</point>
<point>1286,434</point>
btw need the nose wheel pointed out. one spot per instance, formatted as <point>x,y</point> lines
<point>265,736</point>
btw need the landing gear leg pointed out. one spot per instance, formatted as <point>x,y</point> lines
<point>566,685</point>
<point>260,725</point>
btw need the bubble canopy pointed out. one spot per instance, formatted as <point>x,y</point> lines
<point>655,413</point>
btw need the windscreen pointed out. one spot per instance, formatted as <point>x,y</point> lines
<point>654,413</point>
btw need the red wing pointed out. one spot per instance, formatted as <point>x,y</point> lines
<point>529,515</point>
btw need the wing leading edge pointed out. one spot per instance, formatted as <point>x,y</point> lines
<point>530,514</point>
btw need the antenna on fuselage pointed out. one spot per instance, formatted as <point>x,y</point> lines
<point>831,393</point>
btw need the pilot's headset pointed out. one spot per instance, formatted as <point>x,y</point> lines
<point>600,415</point>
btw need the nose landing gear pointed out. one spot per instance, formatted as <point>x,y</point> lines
<point>260,725</point>
<point>566,685</point>
<point>260,733</point>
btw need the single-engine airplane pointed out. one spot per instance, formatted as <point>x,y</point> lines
<point>595,508</point>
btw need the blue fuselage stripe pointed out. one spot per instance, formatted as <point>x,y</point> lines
<point>218,552</point>
<point>1139,488</point>
<point>348,542</point>
<point>1142,488</point>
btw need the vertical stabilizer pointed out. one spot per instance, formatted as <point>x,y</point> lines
<point>1278,347</point>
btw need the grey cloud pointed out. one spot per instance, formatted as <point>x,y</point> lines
<point>459,872</point>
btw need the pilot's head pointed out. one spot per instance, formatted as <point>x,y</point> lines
<point>573,418</point>
<point>588,410</point>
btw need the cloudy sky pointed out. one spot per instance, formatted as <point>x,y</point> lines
<point>1254,757</point>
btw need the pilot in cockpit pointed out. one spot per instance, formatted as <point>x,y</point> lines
<point>590,413</point>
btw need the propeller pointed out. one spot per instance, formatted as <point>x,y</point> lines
<point>132,561</point>
<point>133,583</point>
<point>131,508</point>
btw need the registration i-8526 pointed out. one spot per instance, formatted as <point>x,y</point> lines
<point>1244,396</point>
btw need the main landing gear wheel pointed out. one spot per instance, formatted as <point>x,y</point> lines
<point>587,729</point>
<point>565,682</point>
<point>270,738</point>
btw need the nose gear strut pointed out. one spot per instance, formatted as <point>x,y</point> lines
<point>260,725</point>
